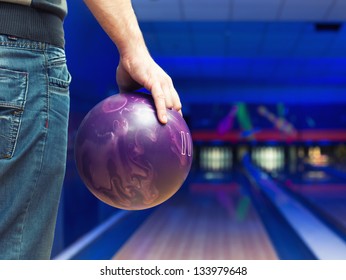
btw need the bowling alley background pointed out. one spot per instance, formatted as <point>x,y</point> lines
<point>263,88</point>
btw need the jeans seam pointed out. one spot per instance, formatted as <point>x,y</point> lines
<point>39,171</point>
<point>24,45</point>
<point>19,115</point>
<point>43,151</point>
<point>47,107</point>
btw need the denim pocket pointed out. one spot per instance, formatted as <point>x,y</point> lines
<point>13,88</point>
<point>58,74</point>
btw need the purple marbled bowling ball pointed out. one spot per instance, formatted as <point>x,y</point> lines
<point>128,159</point>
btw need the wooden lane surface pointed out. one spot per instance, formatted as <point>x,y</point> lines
<point>205,226</point>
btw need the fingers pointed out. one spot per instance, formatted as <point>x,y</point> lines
<point>165,97</point>
<point>175,99</point>
<point>160,103</point>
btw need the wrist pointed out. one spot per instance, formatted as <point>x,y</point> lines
<point>132,45</point>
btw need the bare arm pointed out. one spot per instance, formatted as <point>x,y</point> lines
<point>136,67</point>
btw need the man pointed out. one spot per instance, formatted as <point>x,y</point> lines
<point>34,108</point>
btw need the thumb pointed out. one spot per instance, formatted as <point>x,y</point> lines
<point>124,80</point>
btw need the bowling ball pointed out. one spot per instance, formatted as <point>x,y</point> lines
<point>127,158</point>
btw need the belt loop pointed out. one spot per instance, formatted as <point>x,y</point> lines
<point>41,45</point>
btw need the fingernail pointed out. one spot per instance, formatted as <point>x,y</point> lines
<point>164,118</point>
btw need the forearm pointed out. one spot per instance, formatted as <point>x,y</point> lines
<point>136,67</point>
<point>119,21</point>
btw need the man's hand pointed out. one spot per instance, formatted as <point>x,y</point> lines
<point>140,70</point>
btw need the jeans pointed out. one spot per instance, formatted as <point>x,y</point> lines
<point>34,109</point>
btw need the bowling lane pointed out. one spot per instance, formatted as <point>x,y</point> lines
<point>320,189</point>
<point>305,213</point>
<point>206,221</point>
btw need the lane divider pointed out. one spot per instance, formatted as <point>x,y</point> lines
<point>73,250</point>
